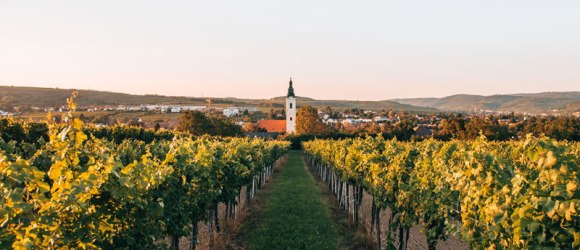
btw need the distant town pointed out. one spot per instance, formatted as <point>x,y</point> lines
<point>252,119</point>
<point>458,116</point>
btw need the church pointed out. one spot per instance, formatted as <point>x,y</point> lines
<point>287,126</point>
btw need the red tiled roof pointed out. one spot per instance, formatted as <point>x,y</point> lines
<point>273,125</point>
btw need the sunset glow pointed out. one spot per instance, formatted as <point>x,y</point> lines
<point>358,50</point>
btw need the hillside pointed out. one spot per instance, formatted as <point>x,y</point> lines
<point>44,97</point>
<point>348,104</point>
<point>572,107</point>
<point>533,103</point>
<point>49,97</point>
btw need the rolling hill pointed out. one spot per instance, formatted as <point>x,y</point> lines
<point>571,108</point>
<point>12,96</point>
<point>531,103</point>
<point>564,102</point>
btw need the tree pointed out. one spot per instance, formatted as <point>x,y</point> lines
<point>194,122</point>
<point>224,127</point>
<point>403,130</point>
<point>250,127</point>
<point>490,128</point>
<point>373,128</point>
<point>327,110</point>
<point>272,114</point>
<point>452,128</point>
<point>197,123</point>
<point>308,122</point>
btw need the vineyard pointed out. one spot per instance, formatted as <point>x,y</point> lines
<point>74,185</point>
<point>91,188</point>
<point>491,195</point>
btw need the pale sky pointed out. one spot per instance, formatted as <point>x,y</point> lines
<point>355,50</point>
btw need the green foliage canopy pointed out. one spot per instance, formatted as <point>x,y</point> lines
<point>308,122</point>
<point>197,123</point>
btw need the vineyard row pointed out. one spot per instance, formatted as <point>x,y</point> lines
<point>78,191</point>
<point>492,195</point>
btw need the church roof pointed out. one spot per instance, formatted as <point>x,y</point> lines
<point>278,126</point>
<point>290,90</point>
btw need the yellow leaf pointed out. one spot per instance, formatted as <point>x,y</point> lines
<point>80,137</point>
<point>571,188</point>
<point>570,211</point>
<point>551,159</point>
<point>43,187</point>
<point>77,123</point>
<point>576,242</point>
<point>55,170</point>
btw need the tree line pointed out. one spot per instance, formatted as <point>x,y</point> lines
<point>448,127</point>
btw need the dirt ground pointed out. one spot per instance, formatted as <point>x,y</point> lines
<point>417,239</point>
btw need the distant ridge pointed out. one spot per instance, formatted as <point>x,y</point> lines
<point>572,107</point>
<point>521,103</point>
<point>563,102</point>
<point>11,96</point>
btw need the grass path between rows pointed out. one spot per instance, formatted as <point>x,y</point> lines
<point>295,215</point>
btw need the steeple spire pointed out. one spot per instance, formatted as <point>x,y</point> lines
<point>290,110</point>
<point>290,89</point>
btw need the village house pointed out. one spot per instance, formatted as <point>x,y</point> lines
<point>229,112</point>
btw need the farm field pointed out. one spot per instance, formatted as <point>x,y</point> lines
<point>142,188</point>
<point>74,185</point>
<point>405,195</point>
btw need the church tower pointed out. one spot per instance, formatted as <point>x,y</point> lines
<point>290,110</point>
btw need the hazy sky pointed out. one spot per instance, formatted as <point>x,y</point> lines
<point>365,50</point>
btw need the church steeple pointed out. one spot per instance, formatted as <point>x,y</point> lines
<point>290,89</point>
<point>290,110</point>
